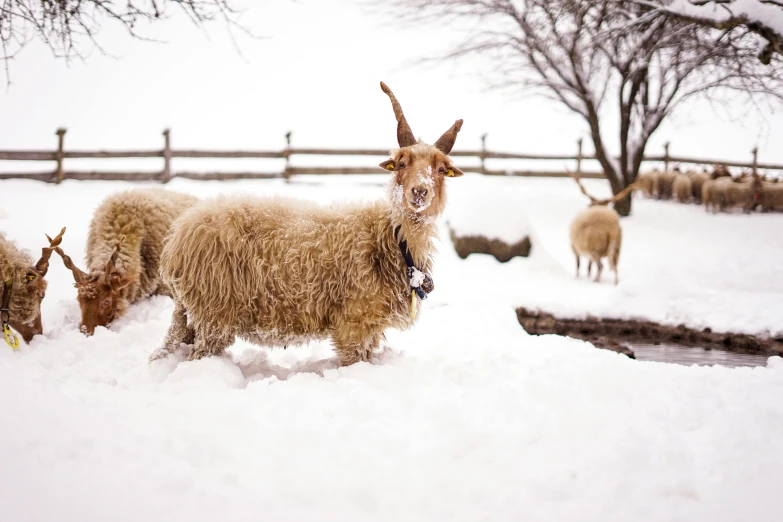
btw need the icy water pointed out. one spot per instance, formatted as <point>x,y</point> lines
<point>688,355</point>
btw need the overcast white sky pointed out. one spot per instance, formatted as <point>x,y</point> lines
<point>316,73</point>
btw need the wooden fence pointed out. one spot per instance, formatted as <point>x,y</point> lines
<point>167,153</point>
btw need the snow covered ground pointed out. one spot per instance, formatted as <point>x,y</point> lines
<point>463,417</point>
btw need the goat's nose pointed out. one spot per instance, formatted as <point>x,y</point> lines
<point>419,192</point>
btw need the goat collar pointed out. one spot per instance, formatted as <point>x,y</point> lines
<point>420,282</point>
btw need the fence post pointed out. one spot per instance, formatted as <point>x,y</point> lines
<point>287,155</point>
<point>755,159</point>
<point>59,175</point>
<point>483,152</point>
<point>666,157</point>
<point>579,157</point>
<point>166,176</point>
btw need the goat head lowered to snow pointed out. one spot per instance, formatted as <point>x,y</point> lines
<point>102,294</point>
<point>123,252</point>
<point>27,285</point>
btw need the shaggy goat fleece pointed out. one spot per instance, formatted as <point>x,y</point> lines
<point>276,271</point>
<point>123,252</point>
<point>143,217</point>
<point>26,294</point>
<point>595,234</point>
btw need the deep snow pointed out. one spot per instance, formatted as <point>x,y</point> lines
<point>463,417</point>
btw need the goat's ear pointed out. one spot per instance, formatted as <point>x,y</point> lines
<point>453,172</point>
<point>389,164</point>
<point>118,282</point>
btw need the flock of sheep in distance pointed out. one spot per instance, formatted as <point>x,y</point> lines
<point>276,271</point>
<point>718,190</point>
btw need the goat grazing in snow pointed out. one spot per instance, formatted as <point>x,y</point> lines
<point>23,287</point>
<point>278,272</point>
<point>596,233</point>
<point>123,253</point>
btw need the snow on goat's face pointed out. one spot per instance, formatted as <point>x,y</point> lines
<point>101,302</point>
<point>418,186</point>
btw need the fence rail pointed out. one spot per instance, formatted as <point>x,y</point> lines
<point>167,154</point>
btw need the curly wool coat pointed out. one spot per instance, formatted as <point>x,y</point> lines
<point>26,295</point>
<point>276,271</point>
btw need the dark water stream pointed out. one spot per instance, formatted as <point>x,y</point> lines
<point>688,355</point>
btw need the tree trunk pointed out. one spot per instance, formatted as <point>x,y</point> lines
<point>623,206</point>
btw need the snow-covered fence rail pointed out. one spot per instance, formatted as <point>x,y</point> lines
<point>59,155</point>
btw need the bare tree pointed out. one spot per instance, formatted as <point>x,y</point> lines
<point>761,17</point>
<point>589,54</point>
<point>70,27</point>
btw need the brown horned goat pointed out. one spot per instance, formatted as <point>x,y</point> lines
<point>25,285</point>
<point>123,253</point>
<point>280,272</point>
<point>596,233</point>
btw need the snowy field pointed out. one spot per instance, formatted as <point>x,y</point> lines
<point>463,417</point>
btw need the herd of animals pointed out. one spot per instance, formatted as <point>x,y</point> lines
<point>718,190</point>
<point>273,271</point>
<point>278,272</point>
<point>596,233</point>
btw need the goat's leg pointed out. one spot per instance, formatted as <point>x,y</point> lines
<point>577,262</point>
<point>179,332</point>
<point>210,341</point>
<point>354,343</point>
<point>589,267</point>
<point>599,269</point>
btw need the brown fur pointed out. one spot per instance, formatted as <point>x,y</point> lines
<point>278,271</point>
<point>665,182</point>
<point>697,182</point>
<point>595,234</point>
<point>123,253</point>
<point>682,188</point>
<point>772,196</point>
<point>648,182</point>
<point>29,286</point>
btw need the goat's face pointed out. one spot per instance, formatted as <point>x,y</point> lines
<point>418,187</point>
<point>101,301</point>
<point>28,291</point>
<point>102,294</point>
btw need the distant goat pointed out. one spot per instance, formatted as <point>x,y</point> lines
<point>123,253</point>
<point>596,233</point>
<point>280,272</point>
<point>23,286</point>
<point>682,188</point>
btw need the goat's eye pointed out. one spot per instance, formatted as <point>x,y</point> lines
<point>402,164</point>
<point>441,170</point>
<point>105,303</point>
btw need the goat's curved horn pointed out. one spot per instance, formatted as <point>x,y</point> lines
<point>446,142</point>
<point>78,275</point>
<point>405,136</point>
<point>112,260</point>
<point>42,266</point>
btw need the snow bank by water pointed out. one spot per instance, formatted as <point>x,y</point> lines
<point>463,417</point>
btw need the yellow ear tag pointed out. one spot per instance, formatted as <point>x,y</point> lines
<point>390,166</point>
<point>450,173</point>
<point>10,338</point>
<point>30,277</point>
